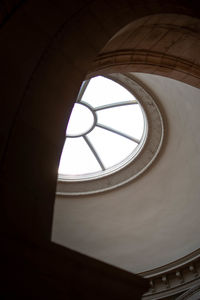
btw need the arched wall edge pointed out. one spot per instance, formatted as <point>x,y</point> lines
<point>57,77</point>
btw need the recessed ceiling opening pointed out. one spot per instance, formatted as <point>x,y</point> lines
<point>106,130</point>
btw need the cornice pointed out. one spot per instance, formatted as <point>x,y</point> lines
<point>171,279</point>
<point>190,293</point>
<point>147,61</point>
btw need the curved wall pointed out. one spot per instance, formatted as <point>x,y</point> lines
<point>153,220</point>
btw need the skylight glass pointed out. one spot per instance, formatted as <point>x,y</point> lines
<point>81,121</point>
<point>101,91</point>
<point>105,130</point>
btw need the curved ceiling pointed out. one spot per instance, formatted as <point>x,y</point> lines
<point>153,220</point>
<point>162,44</point>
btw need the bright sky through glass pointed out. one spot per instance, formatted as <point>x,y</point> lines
<point>127,118</point>
<point>101,91</point>
<point>111,147</point>
<point>110,124</point>
<point>81,120</point>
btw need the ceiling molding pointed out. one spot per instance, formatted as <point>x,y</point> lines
<point>149,62</point>
<point>178,276</point>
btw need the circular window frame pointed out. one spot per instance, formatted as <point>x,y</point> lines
<point>91,128</point>
<point>140,141</point>
<point>140,162</point>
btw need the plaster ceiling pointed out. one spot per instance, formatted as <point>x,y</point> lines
<point>153,220</point>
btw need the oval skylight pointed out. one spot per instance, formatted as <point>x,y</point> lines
<point>106,130</point>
